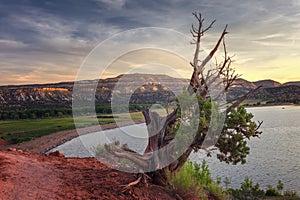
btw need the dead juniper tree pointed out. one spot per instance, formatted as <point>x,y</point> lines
<point>197,121</point>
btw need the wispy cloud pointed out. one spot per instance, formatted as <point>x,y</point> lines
<point>11,44</point>
<point>54,74</point>
<point>113,3</point>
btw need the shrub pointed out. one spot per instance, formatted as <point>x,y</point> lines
<point>195,178</point>
<point>248,191</point>
<point>272,191</point>
<point>290,195</point>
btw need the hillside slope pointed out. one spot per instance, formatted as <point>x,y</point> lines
<point>267,83</point>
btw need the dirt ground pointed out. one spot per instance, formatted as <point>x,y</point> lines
<point>28,176</point>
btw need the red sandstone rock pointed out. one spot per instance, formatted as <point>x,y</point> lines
<point>57,154</point>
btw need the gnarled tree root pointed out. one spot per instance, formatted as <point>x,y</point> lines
<point>142,178</point>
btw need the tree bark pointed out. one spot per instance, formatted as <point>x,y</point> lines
<point>160,128</point>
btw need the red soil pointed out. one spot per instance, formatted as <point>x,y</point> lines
<point>2,143</point>
<point>29,176</point>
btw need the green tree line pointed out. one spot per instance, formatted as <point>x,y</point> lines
<point>34,113</point>
<point>39,113</point>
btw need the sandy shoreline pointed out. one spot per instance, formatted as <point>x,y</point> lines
<point>48,142</point>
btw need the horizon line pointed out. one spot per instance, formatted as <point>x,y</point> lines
<point>115,76</point>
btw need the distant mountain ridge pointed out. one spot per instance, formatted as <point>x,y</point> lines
<point>142,88</point>
<point>268,83</point>
<point>297,83</point>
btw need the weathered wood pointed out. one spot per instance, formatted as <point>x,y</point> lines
<point>160,129</point>
<point>240,100</point>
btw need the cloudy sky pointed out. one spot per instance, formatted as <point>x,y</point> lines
<point>47,41</point>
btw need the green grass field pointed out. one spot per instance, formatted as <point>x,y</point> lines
<point>24,130</point>
<point>17,131</point>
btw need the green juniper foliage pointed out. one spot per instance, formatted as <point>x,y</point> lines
<point>237,129</point>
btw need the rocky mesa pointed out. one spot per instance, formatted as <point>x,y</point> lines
<point>142,89</point>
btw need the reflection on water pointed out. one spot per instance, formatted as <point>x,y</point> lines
<point>86,145</point>
<point>275,156</point>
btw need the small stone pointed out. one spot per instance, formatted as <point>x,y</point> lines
<point>57,154</point>
<point>113,174</point>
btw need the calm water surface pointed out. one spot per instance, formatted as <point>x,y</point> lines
<point>275,156</point>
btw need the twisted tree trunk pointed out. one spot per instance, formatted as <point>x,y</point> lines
<point>161,129</point>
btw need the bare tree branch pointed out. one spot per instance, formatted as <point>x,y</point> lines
<point>240,100</point>
<point>211,54</point>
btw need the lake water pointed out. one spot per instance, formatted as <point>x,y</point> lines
<point>275,156</point>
